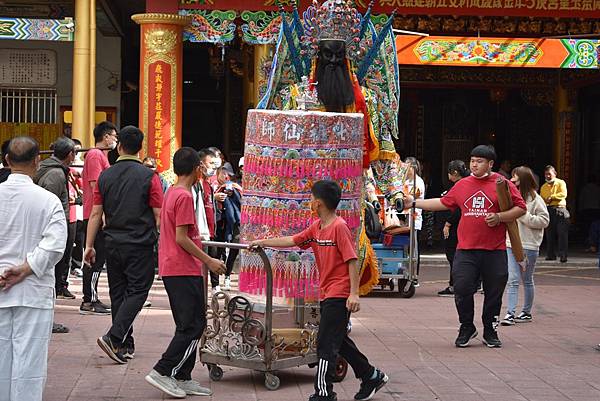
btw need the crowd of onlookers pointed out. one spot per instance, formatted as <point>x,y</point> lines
<point>91,216</point>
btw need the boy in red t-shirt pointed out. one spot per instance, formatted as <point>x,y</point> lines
<point>335,253</point>
<point>180,259</point>
<point>481,250</point>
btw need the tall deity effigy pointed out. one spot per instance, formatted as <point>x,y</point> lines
<point>329,112</point>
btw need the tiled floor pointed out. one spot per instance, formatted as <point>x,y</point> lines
<point>549,359</point>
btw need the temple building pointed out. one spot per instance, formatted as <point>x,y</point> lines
<point>519,74</point>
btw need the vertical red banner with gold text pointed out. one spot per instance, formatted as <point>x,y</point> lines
<point>160,113</point>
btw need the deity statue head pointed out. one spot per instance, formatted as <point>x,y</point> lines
<point>334,85</point>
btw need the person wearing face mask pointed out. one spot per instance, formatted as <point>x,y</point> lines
<point>531,230</point>
<point>96,161</point>
<point>205,207</point>
<point>554,193</point>
<point>481,250</point>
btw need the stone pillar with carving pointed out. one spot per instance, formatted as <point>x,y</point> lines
<point>161,91</point>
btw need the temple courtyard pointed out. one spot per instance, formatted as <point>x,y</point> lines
<point>412,340</point>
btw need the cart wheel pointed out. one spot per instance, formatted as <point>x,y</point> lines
<point>272,382</point>
<point>215,373</point>
<point>341,368</point>
<point>406,293</point>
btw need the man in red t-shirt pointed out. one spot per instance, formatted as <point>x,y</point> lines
<point>481,250</point>
<point>335,253</point>
<point>96,161</point>
<point>180,266</point>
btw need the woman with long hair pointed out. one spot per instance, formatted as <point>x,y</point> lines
<point>531,229</point>
<point>456,171</point>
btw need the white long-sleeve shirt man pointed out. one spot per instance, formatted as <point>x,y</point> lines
<point>33,229</point>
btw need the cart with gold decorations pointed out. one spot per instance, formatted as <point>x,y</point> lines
<point>247,333</point>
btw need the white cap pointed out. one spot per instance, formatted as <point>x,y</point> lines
<point>241,162</point>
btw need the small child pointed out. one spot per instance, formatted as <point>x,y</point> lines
<point>180,265</point>
<point>335,253</point>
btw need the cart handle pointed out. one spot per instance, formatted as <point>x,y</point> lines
<point>269,300</point>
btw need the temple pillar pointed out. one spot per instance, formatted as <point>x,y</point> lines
<point>81,72</point>
<point>565,130</point>
<point>92,76</point>
<point>161,79</point>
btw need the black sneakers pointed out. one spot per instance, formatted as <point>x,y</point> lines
<point>523,317</point>
<point>64,294</point>
<point>129,346</point>
<point>369,387</point>
<point>316,397</point>
<point>509,320</point>
<point>465,334</point>
<point>490,338</point>
<point>93,308</point>
<point>116,352</point>
<point>446,292</point>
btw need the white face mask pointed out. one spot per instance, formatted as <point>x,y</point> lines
<point>210,172</point>
<point>113,145</point>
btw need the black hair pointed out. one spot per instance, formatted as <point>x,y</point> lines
<point>131,139</point>
<point>327,191</point>
<point>62,147</point>
<point>216,151</point>
<point>185,161</point>
<point>202,153</point>
<point>23,150</point>
<point>485,151</point>
<point>415,163</point>
<point>76,141</point>
<point>105,127</point>
<point>458,167</point>
<point>149,160</point>
<point>4,151</point>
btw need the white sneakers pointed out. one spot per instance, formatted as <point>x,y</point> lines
<point>192,387</point>
<point>227,286</point>
<point>176,388</point>
<point>166,384</point>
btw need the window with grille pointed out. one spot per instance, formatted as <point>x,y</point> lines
<point>28,105</point>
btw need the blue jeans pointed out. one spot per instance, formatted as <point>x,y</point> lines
<point>515,275</point>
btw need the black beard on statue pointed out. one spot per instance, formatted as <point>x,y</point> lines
<point>334,85</point>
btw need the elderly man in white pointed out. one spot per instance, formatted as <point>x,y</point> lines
<point>33,235</point>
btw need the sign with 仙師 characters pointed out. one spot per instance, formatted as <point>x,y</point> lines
<point>285,153</point>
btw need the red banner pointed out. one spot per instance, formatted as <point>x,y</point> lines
<point>159,118</point>
<point>500,8</point>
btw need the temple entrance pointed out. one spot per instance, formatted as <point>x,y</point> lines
<point>440,125</point>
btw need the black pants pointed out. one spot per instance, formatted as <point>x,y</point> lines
<point>186,296</point>
<point>450,252</point>
<point>79,244</point>
<point>61,270</point>
<point>217,254</point>
<point>130,272</point>
<point>468,266</point>
<point>233,253</point>
<point>91,274</point>
<point>332,341</point>
<point>557,231</point>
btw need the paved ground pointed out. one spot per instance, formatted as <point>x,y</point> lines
<point>549,359</point>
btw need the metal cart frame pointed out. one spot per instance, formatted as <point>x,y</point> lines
<point>406,280</point>
<point>234,337</point>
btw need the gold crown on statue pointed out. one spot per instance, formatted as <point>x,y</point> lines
<point>333,20</point>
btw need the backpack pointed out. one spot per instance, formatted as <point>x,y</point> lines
<point>373,226</point>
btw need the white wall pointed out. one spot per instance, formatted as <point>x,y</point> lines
<point>108,57</point>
